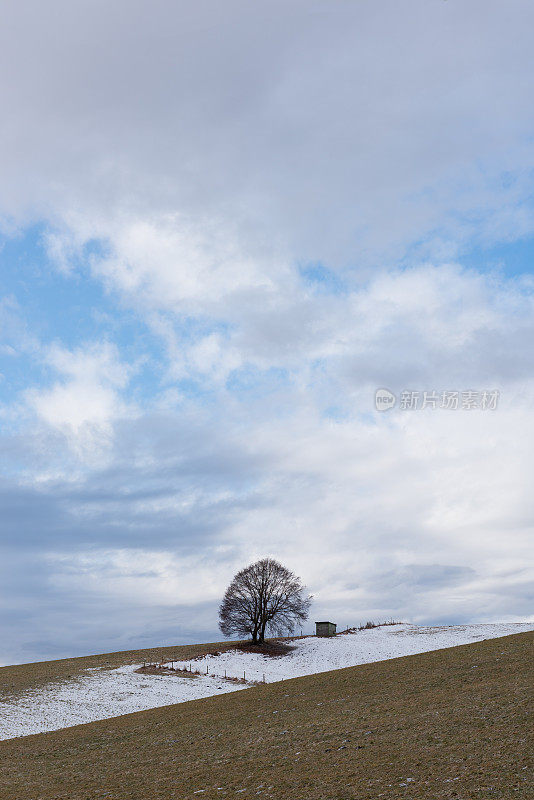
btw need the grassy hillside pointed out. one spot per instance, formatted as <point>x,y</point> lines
<point>451,724</point>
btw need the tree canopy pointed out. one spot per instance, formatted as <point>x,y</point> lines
<point>263,596</point>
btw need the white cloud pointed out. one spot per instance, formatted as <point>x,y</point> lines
<point>338,133</point>
<point>85,402</point>
<point>202,153</point>
<point>161,578</point>
<point>424,515</point>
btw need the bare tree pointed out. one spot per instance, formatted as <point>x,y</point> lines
<point>264,595</point>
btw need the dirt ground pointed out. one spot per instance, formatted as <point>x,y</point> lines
<point>447,725</point>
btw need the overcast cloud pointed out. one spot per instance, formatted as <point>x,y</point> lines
<point>224,226</point>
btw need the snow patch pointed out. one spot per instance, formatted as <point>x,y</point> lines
<point>102,694</point>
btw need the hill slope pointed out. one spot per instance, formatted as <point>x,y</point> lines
<point>100,692</point>
<point>445,725</point>
<point>18,678</point>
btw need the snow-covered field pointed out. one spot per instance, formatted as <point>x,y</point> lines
<point>109,693</point>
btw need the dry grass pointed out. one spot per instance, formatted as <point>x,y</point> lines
<point>446,725</point>
<point>157,669</point>
<point>272,647</point>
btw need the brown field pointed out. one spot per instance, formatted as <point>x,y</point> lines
<point>446,725</point>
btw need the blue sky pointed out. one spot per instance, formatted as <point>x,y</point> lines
<point>210,259</point>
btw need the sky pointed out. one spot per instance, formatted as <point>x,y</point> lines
<point>223,227</point>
